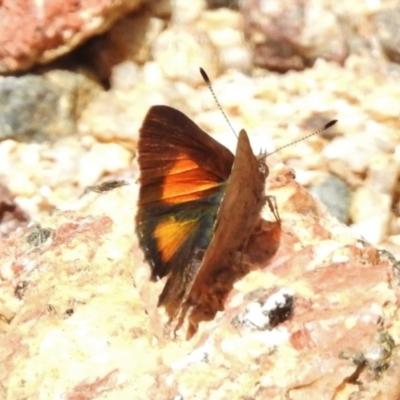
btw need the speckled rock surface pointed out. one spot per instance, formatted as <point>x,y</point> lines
<point>37,108</point>
<point>292,34</point>
<point>37,32</point>
<point>79,316</point>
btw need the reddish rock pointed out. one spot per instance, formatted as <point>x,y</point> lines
<point>79,315</point>
<point>34,32</point>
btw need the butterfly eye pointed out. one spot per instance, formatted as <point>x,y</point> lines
<point>263,168</point>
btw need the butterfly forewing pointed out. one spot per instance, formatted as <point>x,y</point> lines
<point>182,175</point>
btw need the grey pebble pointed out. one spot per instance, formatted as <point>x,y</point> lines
<point>335,194</point>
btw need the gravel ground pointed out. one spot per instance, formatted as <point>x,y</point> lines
<point>353,167</point>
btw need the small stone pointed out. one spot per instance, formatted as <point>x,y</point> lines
<point>292,34</point>
<point>236,58</point>
<point>383,174</point>
<point>38,108</point>
<point>387,29</point>
<point>186,12</point>
<point>125,76</point>
<point>181,51</point>
<point>92,166</point>
<point>370,213</point>
<point>272,311</point>
<point>383,104</point>
<point>366,145</point>
<point>224,27</point>
<point>335,194</point>
<point>38,235</point>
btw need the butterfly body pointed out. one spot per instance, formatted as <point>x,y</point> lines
<point>198,207</point>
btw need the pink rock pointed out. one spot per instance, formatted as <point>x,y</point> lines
<point>81,315</point>
<point>34,32</point>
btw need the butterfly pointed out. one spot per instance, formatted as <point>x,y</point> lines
<point>198,207</point>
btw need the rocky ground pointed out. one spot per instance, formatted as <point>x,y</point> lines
<point>77,313</point>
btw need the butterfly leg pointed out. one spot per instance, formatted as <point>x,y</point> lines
<point>273,206</point>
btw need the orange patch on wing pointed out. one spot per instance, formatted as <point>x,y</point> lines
<point>170,236</point>
<point>183,165</point>
<point>186,182</point>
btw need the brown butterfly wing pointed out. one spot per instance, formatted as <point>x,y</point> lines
<point>183,174</point>
<point>178,161</point>
<point>238,215</point>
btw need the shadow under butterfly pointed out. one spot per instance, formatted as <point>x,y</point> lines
<point>198,218</point>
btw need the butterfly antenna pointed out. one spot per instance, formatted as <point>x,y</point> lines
<point>317,132</point>
<point>208,82</point>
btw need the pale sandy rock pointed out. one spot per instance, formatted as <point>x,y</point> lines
<point>392,243</point>
<point>370,212</point>
<point>382,103</point>
<point>235,57</point>
<point>394,226</point>
<point>367,146</point>
<point>383,174</point>
<point>225,28</point>
<point>125,76</point>
<point>180,52</point>
<point>185,13</point>
<point>367,200</point>
<point>81,316</point>
<point>386,22</point>
<point>92,167</point>
<point>38,32</point>
<point>116,116</point>
<point>44,176</point>
<point>374,228</point>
